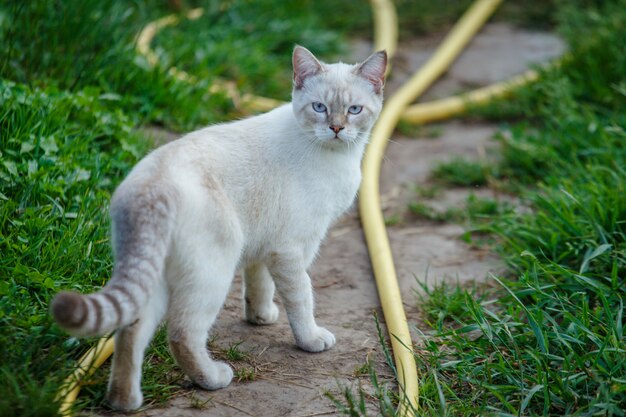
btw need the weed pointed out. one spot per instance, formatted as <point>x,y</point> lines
<point>198,403</point>
<point>485,209</point>
<point>393,220</point>
<point>462,172</point>
<point>482,206</point>
<point>424,211</point>
<point>477,210</point>
<point>245,374</point>
<point>416,130</point>
<point>234,353</point>
<point>428,191</point>
<point>362,370</point>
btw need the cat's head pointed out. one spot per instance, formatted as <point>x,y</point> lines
<point>337,104</point>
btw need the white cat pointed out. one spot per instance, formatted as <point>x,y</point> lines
<point>256,195</point>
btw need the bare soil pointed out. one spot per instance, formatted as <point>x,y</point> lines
<point>277,379</point>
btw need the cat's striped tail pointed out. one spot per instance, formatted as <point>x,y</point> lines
<point>142,228</point>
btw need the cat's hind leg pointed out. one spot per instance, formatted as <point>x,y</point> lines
<point>124,390</point>
<point>259,295</point>
<point>201,285</point>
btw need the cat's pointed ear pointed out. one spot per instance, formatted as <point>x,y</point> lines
<point>304,65</point>
<point>373,70</point>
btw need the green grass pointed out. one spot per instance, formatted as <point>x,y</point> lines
<point>445,304</point>
<point>475,212</point>
<point>393,220</point>
<point>222,36</point>
<point>78,44</point>
<point>428,191</point>
<point>419,130</point>
<point>75,45</point>
<point>462,172</point>
<point>425,212</point>
<point>538,347</point>
<point>386,400</point>
<point>62,155</point>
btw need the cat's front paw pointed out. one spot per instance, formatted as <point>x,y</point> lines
<point>267,314</point>
<point>318,340</point>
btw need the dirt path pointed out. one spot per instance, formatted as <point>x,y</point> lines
<point>289,382</point>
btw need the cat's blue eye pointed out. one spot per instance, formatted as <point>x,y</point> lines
<point>319,107</point>
<point>355,109</point>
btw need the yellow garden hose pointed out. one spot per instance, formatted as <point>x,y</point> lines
<point>385,28</point>
<point>396,108</point>
<point>369,198</point>
<point>452,106</point>
<point>90,361</point>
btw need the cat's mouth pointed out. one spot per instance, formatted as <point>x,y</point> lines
<point>334,139</point>
<point>336,142</point>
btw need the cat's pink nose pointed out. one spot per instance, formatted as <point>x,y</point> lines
<point>336,129</point>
